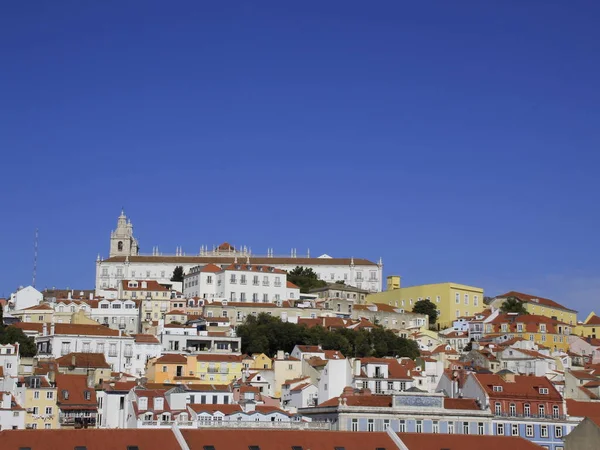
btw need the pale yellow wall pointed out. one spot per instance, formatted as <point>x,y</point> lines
<point>42,402</point>
<point>285,369</point>
<point>569,317</point>
<point>234,372</point>
<point>441,294</point>
<point>42,316</point>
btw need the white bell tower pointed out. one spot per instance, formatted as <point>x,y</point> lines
<point>122,242</point>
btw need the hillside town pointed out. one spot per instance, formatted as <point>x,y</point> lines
<point>193,349</point>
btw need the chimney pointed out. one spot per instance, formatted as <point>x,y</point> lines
<point>357,367</point>
<point>91,296</point>
<point>280,354</point>
<point>69,295</point>
<point>508,377</point>
<point>6,398</point>
<point>73,360</point>
<point>90,380</point>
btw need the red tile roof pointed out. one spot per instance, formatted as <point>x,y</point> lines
<point>69,329</point>
<point>213,408</point>
<point>231,259</point>
<point>309,348</point>
<point>361,400</point>
<point>523,386</point>
<point>84,360</point>
<point>583,409</point>
<point>534,299</point>
<point>172,358</point>
<point>418,441</point>
<point>151,285</point>
<point>593,320</point>
<point>219,358</point>
<point>40,307</point>
<point>291,285</point>
<point>71,389</point>
<point>461,403</point>
<point>531,322</point>
<point>145,339</point>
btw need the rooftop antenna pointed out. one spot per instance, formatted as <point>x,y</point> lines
<point>35,255</point>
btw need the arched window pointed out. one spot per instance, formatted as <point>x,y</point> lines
<point>542,410</point>
<point>555,411</point>
<point>513,409</point>
<point>120,246</point>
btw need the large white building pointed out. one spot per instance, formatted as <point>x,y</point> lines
<point>126,262</point>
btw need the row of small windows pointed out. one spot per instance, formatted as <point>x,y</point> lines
<point>451,427</point>
<point>502,429</point>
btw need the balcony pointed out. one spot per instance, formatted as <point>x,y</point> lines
<point>277,284</point>
<point>531,416</point>
<point>266,283</point>
<point>215,370</point>
<point>78,419</point>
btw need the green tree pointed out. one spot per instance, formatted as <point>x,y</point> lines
<point>177,274</point>
<point>12,335</point>
<point>305,278</point>
<point>426,307</point>
<point>513,305</point>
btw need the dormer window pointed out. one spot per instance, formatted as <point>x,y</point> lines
<point>543,390</point>
<point>158,403</point>
<point>65,394</point>
<point>87,395</point>
<point>497,388</point>
<point>143,403</point>
<point>542,327</point>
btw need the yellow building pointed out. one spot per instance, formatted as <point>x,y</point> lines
<point>39,401</point>
<point>285,367</point>
<point>453,300</point>
<point>540,306</point>
<point>155,298</point>
<point>169,367</point>
<point>218,369</point>
<point>42,313</point>
<point>590,327</point>
<point>542,330</point>
<point>257,361</point>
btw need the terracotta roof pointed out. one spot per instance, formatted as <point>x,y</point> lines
<point>213,408</point>
<point>523,386</point>
<point>69,329</point>
<point>583,375</point>
<point>361,400</point>
<point>296,380</point>
<point>71,389</point>
<point>291,285</point>
<point>76,294</point>
<point>209,268</point>
<point>593,320</point>
<point>527,298</point>
<point>442,349</point>
<point>395,369</point>
<point>309,348</point>
<point>461,403</point>
<point>119,386</point>
<point>175,312</point>
<point>151,285</point>
<point>172,358</point>
<point>219,358</point>
<point>419,441</point>
<point>40,307</point>
<point>333,354</point>
<point>591,395</point>
<point>85,360</point>
<point>145,339</point>
<point>301,387</point>
<point>231,259</point>
<point>583,409</point>
<point>529,320</point>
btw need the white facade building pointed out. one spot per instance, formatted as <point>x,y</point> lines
<point>125,262</point>
<point>12,416</point>
<point>9,360</point>
<point>118,315</point>
<point>239,283</point>
<point>24,298</point>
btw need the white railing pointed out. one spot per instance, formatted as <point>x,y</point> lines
<point>235,424</point>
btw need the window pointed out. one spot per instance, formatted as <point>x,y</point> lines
<point>497,388</point>
<point>457,298</point>
<point>450,427</point>
<point>437,299</point>
<point>500,429</point>
<point>514,429</point>
<point>436,427</point>
<point>370,425</point>
<point>87,395</point>
<point>527,410</point>
<point>542,410</point>
<point>419,426</point>
<point>112,350</point>
<point>558,431</point>
<point>529,430</point>
<point>48,409</point>
<point>513,409</point>
<point>497,408</point>
<point>402,428</point>
<point>480,428</point>
<point>354,424</point>
<point>209,279</point>
<point>466,299</point>
<point>457,313</point>
<point>475,300</point>
<point>49,395</point>
<point>555,411</point>
<point>386,424</point>
<point>544,431</point>
<point>36,394</point>
<point>465,427</point>
<point>36,410</point>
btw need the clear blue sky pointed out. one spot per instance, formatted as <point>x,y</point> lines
<point>457,140</point>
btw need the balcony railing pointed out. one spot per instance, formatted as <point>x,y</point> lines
<point>265,283</point>
<point>277,284</point>
<point>234,424</point>
<point>531,416</point>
